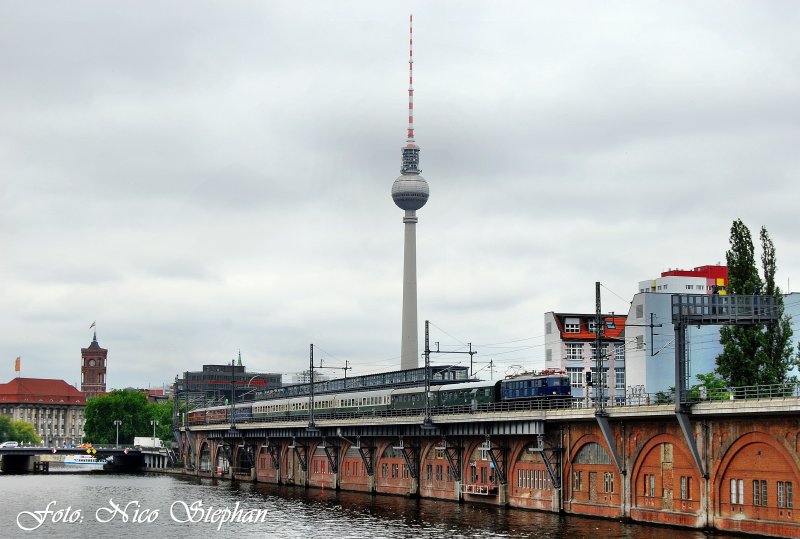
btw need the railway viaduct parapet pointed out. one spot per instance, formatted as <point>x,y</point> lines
<point>637,463</point>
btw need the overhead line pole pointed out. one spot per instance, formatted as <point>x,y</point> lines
<point>471,353</point>
<point>600,413</point>
<point>311,423</point>
<point>598,331</point>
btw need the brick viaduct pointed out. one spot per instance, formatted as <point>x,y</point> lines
<point>559,460</point>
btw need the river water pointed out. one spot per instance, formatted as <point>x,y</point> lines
<point>100,505</point>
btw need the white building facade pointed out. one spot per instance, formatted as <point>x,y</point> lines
<point>651,335</point>
<point>570,346</point>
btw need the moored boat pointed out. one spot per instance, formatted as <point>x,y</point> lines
<point>84,460</point>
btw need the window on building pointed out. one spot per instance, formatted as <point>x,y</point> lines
<point>619,379</point>
<point>686,487</point>
<point>596,379</point>
<point>548,328</point>
<point>574,350</point>
<point>575,376</point>
<point>619,352</point>
<point>548,354</point>
<point>592,326</point>
<point>640,311</point>
<point>737,492</point>
<point>608,481</point>
<point>689,287</point>
<point>649,485</point>
<point>759,492</point>
<point>640,342</point>
<point>577,481</point>
<point>572,325</point>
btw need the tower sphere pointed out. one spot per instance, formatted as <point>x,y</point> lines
<point>410,191</point>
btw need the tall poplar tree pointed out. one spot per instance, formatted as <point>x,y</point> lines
<point>776,340</point>
<point>758,354</point>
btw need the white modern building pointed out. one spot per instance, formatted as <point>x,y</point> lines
<point>651,336</point>
<point>700,280</point>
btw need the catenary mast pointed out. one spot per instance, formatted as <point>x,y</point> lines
<point>410,193</point>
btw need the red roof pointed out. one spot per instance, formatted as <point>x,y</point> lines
<point>584,334</point>
<point>709,272</point>
<point>40,390</point>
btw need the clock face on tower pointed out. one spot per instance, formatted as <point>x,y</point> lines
<point>92,363</point>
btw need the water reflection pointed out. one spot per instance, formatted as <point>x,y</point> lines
<point>290,512</point>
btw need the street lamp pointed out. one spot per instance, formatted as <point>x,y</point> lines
<point>117,423</point>
<point>154,423</point>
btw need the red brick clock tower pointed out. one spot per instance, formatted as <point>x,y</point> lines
<point>93,369</point>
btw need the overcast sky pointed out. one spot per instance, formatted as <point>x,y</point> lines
<point>201,177</point>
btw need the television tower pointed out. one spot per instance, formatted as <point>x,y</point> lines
<point>410,193</point>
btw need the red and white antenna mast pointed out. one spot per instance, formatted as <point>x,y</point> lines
<point>410,78</point>
<point>410,163</point>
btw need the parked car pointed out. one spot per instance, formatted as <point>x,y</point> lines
<point>9,444</point>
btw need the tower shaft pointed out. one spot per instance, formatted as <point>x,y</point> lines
<point>410,192</point>
<point>410,339</point>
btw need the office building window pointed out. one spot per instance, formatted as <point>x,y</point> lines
<point>575,376</point>
<point>574,350</point>
<point>572,325</point>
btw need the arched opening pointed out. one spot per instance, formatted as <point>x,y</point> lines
<point>665,478</point>
<point>223,462</point>
<point>757,481</point>
<point>205,458</point>
<point>594,476</point>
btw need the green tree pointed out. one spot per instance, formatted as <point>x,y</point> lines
<point>24,432</point>
<point>758,354</point>
<point>17,430</point>
<point>132,408</point>
<point>715,386</point>
<point>6,431</point>
<point>162,412</point>
<point>776,339</point>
